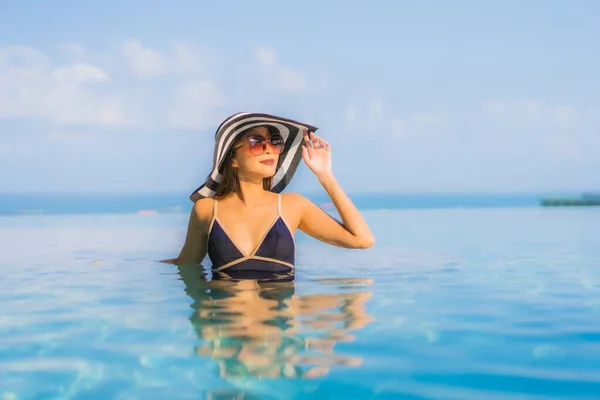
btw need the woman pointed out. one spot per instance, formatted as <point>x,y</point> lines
<point>240,218</point>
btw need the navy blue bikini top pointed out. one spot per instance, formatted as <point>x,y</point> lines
<point>271,259</point>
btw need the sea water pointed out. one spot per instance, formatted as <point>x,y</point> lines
<point>451,303</point>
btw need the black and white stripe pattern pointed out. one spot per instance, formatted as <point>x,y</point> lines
<point>234,127</point>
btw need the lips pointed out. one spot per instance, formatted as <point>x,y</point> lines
<point>268,162</point>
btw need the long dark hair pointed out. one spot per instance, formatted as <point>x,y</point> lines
<point>230,183</point>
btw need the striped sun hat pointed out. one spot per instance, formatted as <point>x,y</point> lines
<point>234,127</point>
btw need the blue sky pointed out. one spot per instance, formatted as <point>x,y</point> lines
<point>428,96</point>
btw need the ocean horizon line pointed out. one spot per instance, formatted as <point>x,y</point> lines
<point>175,202</point>
<point>312,193</point>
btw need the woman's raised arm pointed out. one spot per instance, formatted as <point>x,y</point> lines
<point>353,231</point>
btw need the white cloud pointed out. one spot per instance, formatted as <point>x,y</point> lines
<point>194,105</point>
<point>266,55</point>
<point>82,93</point>
<point>79,73</point>
<point>187,96</point>
<point>180,58</point>
<point>143,62</point>
<point>290,80</point>
<point>532,113</point>
<point>71,48</point>
<point>281,77</point>
<point>22,57</point>
<point>185,59</point>
<point>372,118</point>
<point>397,128</point>
<point>31,87</point>
<point>368,118</point>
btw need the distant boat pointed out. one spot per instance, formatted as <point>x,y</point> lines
<point>326,206</point>
<point>590,196</point>
<point>147,212</point>
<point>586,199</point>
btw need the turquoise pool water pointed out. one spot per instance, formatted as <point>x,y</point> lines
<point>483,303</point>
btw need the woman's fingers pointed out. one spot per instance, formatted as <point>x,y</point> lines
<point>305,153</point>
<point>322,144</point>
<point>312,141</point>
<point>317,141</point>
<point>307,139</point>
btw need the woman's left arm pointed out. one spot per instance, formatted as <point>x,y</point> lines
<point>353,231</point>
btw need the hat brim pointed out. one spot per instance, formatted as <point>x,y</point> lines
<point>234,127</point>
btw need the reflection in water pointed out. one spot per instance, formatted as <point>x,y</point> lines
<point>266,330</point>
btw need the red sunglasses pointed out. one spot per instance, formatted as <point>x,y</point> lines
<point>258,144</point>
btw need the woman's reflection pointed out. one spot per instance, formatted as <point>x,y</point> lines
<point>264,329</point>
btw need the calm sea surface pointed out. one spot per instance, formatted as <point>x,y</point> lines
<point>496,300</point>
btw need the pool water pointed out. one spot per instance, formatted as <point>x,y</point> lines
<point>494,303</point>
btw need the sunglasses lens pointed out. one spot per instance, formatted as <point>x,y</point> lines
<point>256,145</point>
<point>277,143</point>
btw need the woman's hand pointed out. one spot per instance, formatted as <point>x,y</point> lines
<point>317,155</point>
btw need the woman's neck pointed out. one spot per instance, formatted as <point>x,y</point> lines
<point>252,192</point>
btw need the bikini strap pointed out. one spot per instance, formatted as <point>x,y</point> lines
<point>278,203</point>
<point>212,221</point>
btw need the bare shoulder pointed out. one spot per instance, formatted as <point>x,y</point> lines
<point>292,205</point>
<point>293,199</point>
<point>203,209</point>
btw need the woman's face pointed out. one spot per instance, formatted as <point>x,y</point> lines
<point>257,153</point>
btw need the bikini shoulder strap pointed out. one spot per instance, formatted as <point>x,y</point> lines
<point>278,203</point>
<point>215,207</point>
